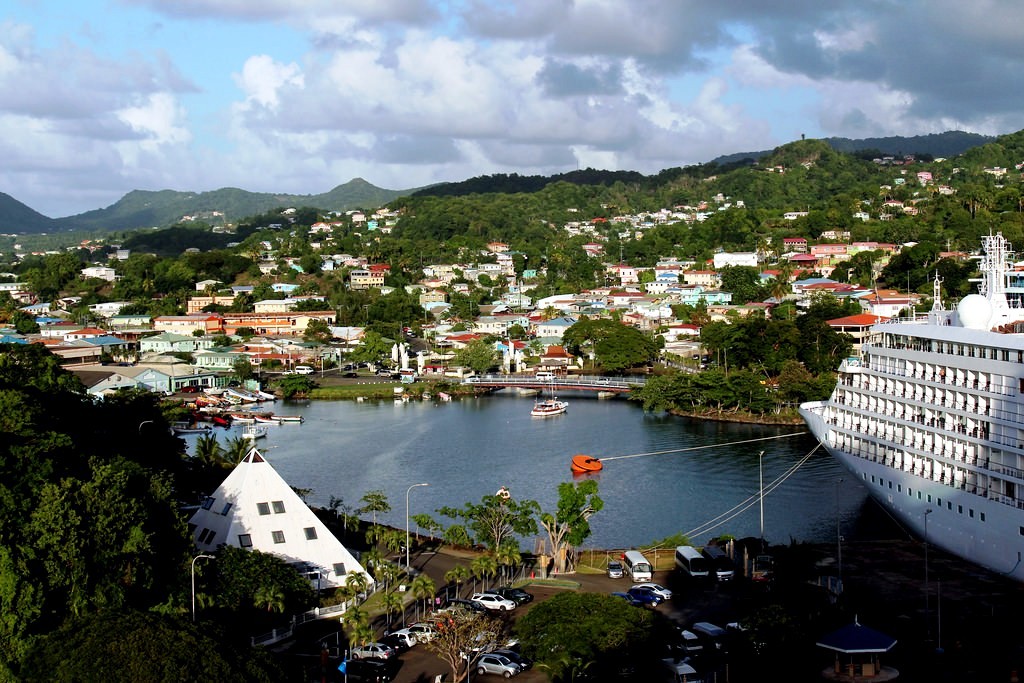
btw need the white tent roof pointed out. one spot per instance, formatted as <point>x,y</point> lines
<point>255,508</point>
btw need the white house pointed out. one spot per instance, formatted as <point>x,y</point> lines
<point>740,258</point>
<point>99,272</point>
<point>255,508</point>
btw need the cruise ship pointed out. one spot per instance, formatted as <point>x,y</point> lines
<point>930,419</point>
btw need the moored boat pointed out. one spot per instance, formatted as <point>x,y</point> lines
<point>549,408</point>
<point>254,431</point>
<point>288,419</point>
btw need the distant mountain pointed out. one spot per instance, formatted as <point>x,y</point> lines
<point>144,209</point>
<point>15,217</point>
<point>948,144</point>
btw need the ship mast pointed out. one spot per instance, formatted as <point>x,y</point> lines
<point>996,254</point>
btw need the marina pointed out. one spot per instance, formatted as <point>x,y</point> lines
<point>469,448</point>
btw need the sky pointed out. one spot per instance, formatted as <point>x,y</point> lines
<point>101,97</point>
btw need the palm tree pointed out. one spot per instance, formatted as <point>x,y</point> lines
<point>508,555</point>
<point>457,575</point>
<point>270,596</point>
<point>422,588</point>
<point>372,559</point>
<point>386,572</point>
<point>208,450</point>
<point>484,566</point>
<point>236,449</point>
<point>358,582</point>
<point>392,604</point>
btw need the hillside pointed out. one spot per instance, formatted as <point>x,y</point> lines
<point>948,144</point>
<point>15,217</point>
<point>144,209</point>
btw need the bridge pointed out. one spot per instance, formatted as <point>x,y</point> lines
<point>617,385</point>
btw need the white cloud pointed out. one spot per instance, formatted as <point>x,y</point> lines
<point>262,78</point>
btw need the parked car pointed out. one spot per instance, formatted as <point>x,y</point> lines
<point>349,375</point>
<point>627,597</point>
<point>368,670</point>
<point>189,390</point>
<point>496,664</point>
<point>645,596</point>
<point>423,631</point>
<point>516,595</point>
<point>493,601</point>
<point>459,603</point>
<point>372,651</point>
<point>614,569</point>
<point>400,640</point>
<point>659,590</point>
<point>384,372</point>
<point>523,662</point>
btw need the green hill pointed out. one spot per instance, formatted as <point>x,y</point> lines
<point>144,209</point>
<point>15,217</point>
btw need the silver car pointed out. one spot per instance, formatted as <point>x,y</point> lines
<point>497,664</point>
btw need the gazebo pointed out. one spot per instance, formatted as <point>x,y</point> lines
<point>858,649</point>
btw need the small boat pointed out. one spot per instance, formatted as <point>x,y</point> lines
<point>288,418</point>
<point>221,421</point>
<point>242,418</point>
<point>585,463</point>
<point>549,407</point>
<point>190,428</point>
<point>253,432</point>
<point>265,419</point>
<point>444,397</point>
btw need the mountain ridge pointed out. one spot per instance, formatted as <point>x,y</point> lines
<point>160,208</point>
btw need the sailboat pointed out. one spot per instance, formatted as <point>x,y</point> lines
<point>549,406</point>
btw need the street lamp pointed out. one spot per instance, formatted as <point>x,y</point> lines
<point>760,480</point>
<point>839,539</point>
<point>205,557</point>
<point>927,606</point>
<point>142,423</point>
<point>407,491</point>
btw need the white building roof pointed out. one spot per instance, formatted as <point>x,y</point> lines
<point>255,508</point>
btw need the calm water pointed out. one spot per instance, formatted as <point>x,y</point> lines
<point>466,449</point>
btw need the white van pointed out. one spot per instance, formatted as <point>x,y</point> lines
<point>544,374</point>
<point>637,565</point>
<point>304,370</point>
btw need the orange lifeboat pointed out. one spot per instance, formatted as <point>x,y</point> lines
<point>584,463</point>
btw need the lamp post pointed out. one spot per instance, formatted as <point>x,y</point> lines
<point>839,539</point>
<point>407,491</point>
<point>205,557</point>
<point>760,481</point>
<point>142,423</point>
<point>927,605</point>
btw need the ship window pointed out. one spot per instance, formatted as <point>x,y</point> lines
<point>899,488</point>
<point>970,513</point>
<point>1020,530</point>
<point>960,509</point>
<point>949,505</point>
<point>872,479</point>
<point>929,497</point>
<point>890,484</point>
<point>919,495</point>
<point>982,516</point>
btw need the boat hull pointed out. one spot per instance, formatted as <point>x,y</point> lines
<point>934,511</point>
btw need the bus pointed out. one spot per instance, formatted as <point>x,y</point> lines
<point>691,562</point>
<point>637,566</point>
<point>719,562</point>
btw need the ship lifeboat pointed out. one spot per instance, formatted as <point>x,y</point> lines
<point>584,463</point>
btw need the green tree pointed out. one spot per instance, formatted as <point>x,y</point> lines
<point>317,332</point>
<point>270,596</point>
<point>573,629</point>
<point>614,346</point>
<point>457,575</point>
<point>373,502</point>
<point>478,355</point>
<point>496,519</point>
<point>146,646</point>
<point>569,525</point>
<point>462,632</point>
<point>373,349</point>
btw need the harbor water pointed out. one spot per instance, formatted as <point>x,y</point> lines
<point>472,447</point>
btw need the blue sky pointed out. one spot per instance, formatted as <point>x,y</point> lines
<point>100,97</point>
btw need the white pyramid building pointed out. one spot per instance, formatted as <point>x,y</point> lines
<point>255,508</point>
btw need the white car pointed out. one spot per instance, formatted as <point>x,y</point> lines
<point>372,651</point>
<point>657,589</point>
<point>422,631</point>
<point>492,601</point>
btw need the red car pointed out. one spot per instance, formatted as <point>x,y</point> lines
<point>189,390</point>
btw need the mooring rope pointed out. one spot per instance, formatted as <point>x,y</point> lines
<point>698,448</point>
